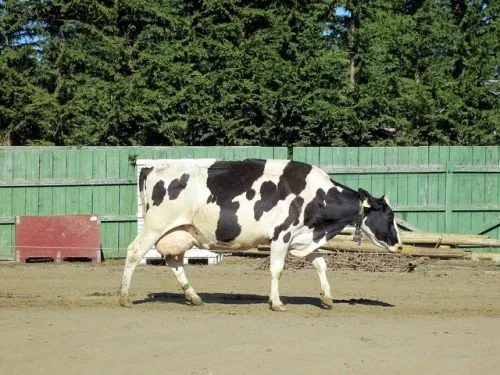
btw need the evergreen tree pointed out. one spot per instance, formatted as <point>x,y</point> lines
<point>235,72</point>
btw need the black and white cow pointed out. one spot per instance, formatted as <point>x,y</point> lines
<point>238,205</point>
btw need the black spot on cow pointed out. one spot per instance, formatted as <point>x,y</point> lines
<point>250,194</point>
<point>268,191</point>
<point>176,186</point>
<point>210,199</point>
<point>159,192</point>
<point>293,217</point>
<point>286,237</point>
<point>227,180</point>
<point>143,174</point>
<point>328,213</point>
<point>292,181</point>
<point>147,207</point>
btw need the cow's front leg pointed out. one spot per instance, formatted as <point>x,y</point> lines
<point>136,251</point>
<point>278,254</point>
<point>320,265</point>
<point>176,263</point>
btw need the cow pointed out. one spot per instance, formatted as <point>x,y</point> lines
<point>236,205</point>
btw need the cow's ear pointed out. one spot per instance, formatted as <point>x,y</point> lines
<point>365,198</point>
<point>385,198</point>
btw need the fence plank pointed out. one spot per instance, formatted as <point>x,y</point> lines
<point>112,206</point>
<point>59,172</point>
<point>32,173</point>
<point>492,186</point>
<point>72,192</point>
<point>6,229</point>
<point>391,181</point>
<point>365,159</point>
<point>85,171</point>
<point>46,170</point>
<point>19,160</point>
<point>423,188</point>
<point>351,160</point>
<point>478,188</point>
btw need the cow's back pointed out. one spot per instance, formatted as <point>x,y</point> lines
<point>237,204</point>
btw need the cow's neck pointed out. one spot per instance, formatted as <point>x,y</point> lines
<point>342,204</point>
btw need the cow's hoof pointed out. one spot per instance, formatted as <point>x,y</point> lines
<point>195,301</point>
<point>327,303</point>
<point>125,301</point>
<point>279,308</point>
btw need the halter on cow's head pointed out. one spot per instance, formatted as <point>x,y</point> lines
<point>377,222</point>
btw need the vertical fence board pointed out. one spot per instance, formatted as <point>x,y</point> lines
<point>423,188</point>
<point>99,173</point>
<point>19,173</point>
<point>280,153</point>
<point>444,153</point>
<point>413,192</point>
<point>492,185</point>
<point>127,202</point>
<point>85,172</point>
<point>377,183</point>
<point>351,160</point>
<point>112,206</point>
<point>59,172</point>
<point>325,157</point>
<point>478,187</point>
<point>365,159</point>
<point>391,180</point>
<point>33,174</point>
<point>72,172</point>
<point>402,197</point>
<point>433,218</point>
<point>464,188</point>
<point>214,152</point>
<point>6,230</point>
<point>46,171</point>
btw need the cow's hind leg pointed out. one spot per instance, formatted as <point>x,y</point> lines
<point>136,251</point>
<point>278,254</point>
<point>320,265</point>
<point>176,263</point>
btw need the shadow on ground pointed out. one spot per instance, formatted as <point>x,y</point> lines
<point>245,299</point>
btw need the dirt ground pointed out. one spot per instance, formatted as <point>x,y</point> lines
<point>443,318</point>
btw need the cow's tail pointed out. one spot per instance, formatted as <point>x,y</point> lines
<point>142,197</point>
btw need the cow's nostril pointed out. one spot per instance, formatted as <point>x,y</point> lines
<point>399,248</point>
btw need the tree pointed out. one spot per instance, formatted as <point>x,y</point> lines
<point>235,72</point>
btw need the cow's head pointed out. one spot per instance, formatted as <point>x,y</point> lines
<point>378,223</point>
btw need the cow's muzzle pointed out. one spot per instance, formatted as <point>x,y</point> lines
<point>397,248</point>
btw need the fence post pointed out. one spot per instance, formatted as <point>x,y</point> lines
<point>449,197</point>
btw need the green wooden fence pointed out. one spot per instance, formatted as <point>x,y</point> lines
<point>89,180</point>
<point>444,189</point>
<point>438,189</point>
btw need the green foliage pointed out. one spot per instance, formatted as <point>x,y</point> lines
<point>234,72</point>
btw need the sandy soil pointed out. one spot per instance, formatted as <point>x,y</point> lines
<point>443,318</point>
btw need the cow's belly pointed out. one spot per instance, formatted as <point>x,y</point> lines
<point>240,232</point>
<point>183,238</point>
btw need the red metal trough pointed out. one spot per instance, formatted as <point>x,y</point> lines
<point>58,237</point>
